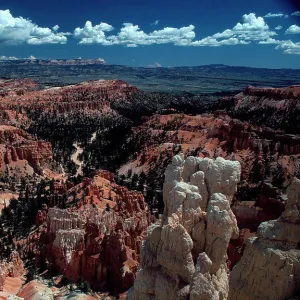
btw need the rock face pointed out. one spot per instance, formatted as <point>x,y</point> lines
<point>11,273</point>
<point>100,240</point>
<point>21,152</point>
<point>267,106</point>
<point>270,265</point>
<point>91,95</point>
<point>269,160</point>
<point>35,290</point>
<point>184,254</point>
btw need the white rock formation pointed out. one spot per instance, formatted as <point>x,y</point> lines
<point>197,225</point>
<point>68,229</point>
<point>270,265</point>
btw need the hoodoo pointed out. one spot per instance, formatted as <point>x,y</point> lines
<point>184,253</point>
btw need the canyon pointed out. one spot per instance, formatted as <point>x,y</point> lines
<point>111,189</point>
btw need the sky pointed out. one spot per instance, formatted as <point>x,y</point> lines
<point>254,33</point>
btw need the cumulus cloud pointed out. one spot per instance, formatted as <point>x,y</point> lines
<point>252,29</point>
<point>16,30</point>
<point>289,47</point>
<point>276,15</point>
<point>269,41</point>
<point>296,14</point>
<point>294,29</point>
<point>131,35</point>
<point>213,42</point>
<point>90,34</point>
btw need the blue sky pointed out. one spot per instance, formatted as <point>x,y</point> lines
<point>262,33</point>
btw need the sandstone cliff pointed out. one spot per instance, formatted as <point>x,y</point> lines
<point>184,254</point>
<point>270,265</point>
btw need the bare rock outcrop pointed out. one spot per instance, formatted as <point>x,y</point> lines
<point>35,290</point>
<point>12,268</point>
<point>98,241</point>
<point>270,266</point>
<point>184,253</point>
<point>19,150</point>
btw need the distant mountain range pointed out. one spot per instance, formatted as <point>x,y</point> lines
<point>198,79</point>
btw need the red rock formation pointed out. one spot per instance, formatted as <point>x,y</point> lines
<point>91,95</point>
<point>97,240</point>
<point>11,273</point>
<point>270,107</point>
<point>241,135</point>
<point>262,153</point>
<point>292,92</point>
<point>17,145</point>
<point>16,87</point>
<point>36,290</point>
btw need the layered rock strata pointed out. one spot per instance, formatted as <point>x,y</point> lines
<point>184,254</point>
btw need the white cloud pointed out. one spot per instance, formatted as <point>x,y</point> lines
<point>102,60</point>
<point>53,38</point>
<point>294,29</point>
<point>155,23</point>
<point>213,42</point>
<point>251,29</point>
<point>16,30</point>
<point>270,41</point>
<point>90,34</point>
<point>155,65</point>
<point>131,35</point>
<point>3,57</point>
<point>289,47</point>
<point>40,32</point>
<point>245,42</point>
<point>296,14</point>
<point>275,15</point>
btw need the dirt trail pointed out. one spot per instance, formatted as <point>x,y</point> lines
<point>79,150</point>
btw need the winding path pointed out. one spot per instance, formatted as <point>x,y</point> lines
<point>79,150</point>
